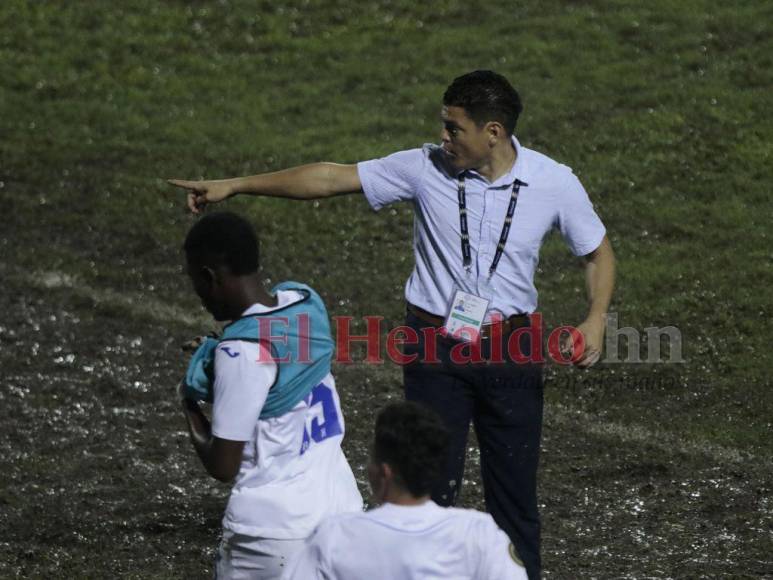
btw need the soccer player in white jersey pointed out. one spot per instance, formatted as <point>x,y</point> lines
<point>288,470</point>
<point>408,537</point>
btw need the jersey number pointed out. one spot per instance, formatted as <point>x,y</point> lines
<point>325,422</point>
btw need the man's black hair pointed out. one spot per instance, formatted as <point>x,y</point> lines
<point>413,441</point>
<point>485,96</point>
<point>227,239</point>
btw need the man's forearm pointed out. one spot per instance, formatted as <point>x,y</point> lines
<point>200,432</point>
<point>314,181</point>
<point>600,279</point>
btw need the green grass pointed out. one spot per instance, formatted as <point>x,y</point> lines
<point>661,109</point>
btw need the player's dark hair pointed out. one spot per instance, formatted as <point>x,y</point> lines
<point>413,441</point>
<point>227,239</point>
<point>485,96</point>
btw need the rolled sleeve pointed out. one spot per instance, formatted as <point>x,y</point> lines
<point>396,177</point>
<point>578,222</point>
<point>244,373</point>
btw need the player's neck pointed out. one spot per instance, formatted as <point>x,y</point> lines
<point>500,163</point>
<point>403,497</point>
<point>247,292</point>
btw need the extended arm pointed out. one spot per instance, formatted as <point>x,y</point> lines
<point>314,181</point>
<point>600,281</point>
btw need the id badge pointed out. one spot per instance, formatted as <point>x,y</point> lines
<point>465,317</point>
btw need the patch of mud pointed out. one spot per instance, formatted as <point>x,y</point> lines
<point>97,477</point>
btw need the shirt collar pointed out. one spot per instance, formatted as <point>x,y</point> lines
<point>517,171</point>
<point>388,511</point>
<point>284,297</point>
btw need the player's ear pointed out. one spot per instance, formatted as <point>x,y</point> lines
<point>376,480</point>
<point>387,472</point>
<point>208,275</point>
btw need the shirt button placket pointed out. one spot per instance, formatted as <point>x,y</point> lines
<point>484,236</point>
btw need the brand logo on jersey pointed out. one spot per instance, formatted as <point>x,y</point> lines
<point>227,350</point>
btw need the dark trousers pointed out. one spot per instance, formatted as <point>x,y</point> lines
<point>503,400</point>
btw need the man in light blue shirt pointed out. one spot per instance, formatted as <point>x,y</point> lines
<point>483,204</point>
<point>551,196</point>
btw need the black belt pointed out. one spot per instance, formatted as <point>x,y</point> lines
<point>507,325</point>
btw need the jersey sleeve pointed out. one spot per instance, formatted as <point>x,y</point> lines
<point>498,557</point>
<point>578,222</point>
<point>396,177</point>
<point>244,373</point>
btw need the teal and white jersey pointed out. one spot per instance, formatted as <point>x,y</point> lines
<point>293,471</point>
<point>296,331</point>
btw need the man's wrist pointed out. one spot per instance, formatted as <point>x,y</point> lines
<point>596,317</point>
<point>231,186</point>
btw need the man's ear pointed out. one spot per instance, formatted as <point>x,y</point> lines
<point>495,132</point>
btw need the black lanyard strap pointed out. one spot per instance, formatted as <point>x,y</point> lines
<point>466,254</point>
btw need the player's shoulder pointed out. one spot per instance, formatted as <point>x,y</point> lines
<point>468,514</point>
<point>235,357</point>
<point>290,292</point>
<point>473,521</point>
<point>233,349</point>
<point>484,536</point>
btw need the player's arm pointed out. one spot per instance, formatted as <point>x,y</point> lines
<point>220,457</point>
<point>244,373</point>
<point>314,181</point>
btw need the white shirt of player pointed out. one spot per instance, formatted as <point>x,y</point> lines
<point>424,542</point>
<point>293,471</point>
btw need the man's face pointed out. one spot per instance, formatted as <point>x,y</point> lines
<point>466,145</point>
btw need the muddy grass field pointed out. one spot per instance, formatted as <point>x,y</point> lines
<point>99,480</point>
<point>648,470</point>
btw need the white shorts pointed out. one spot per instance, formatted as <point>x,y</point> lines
<point>241,557</point>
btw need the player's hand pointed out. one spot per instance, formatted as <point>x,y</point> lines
<point>182,398</point>
<point>202,193</point>
<point>592,330</point>
<point>192,344</point>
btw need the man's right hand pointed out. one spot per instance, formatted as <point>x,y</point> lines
<point>313,181</point>
<point>201,193</point>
